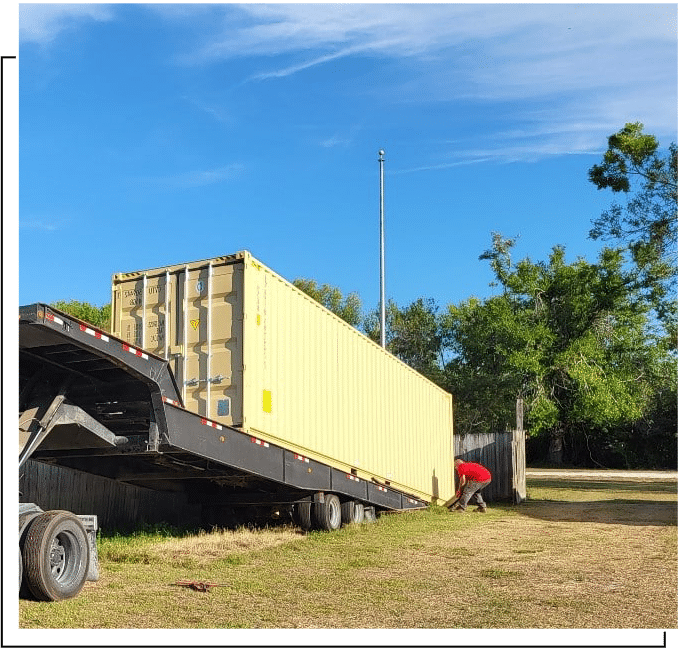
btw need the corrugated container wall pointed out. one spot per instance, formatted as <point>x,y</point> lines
<point>250,350</point>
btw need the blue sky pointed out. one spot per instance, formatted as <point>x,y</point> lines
<point>158,134</point>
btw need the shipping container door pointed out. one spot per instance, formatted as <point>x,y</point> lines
<point>140,313</point>
<point>209,365</point>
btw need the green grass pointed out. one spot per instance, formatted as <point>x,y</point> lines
<point>568,557</point>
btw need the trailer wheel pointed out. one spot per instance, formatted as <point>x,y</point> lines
<point>302,514</point>
<point>370,514</point>
<point>352,512</point>
<point>327,515</point>
<point>21,570</point>
<point>56,554</point>
<point>25,521</point>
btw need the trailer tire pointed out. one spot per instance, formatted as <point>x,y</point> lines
<point>21,570</point>
<point>327,514</point>
<point>370,514</point>
<point>302,514</point>
<point>352,512</point>
<point>25,521</point>
<point>56,555</point>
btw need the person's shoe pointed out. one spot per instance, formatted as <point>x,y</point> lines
<point>459,509</point>
<point>481,509</point>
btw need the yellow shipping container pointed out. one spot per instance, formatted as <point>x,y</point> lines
<point>250,350</point>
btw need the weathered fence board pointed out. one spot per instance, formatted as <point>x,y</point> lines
<point>503,454</point>
<point>117,505</point>
<point>518,486</point>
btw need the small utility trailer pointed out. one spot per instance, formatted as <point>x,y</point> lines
<point>95,403</point>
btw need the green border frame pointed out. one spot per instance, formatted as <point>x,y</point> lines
<point>11,636</point>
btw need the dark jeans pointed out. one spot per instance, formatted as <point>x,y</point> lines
<point>472,489</point>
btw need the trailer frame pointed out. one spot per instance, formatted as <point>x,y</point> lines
<point>118,413</point>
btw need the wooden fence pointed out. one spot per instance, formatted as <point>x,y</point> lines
<point>503,454</point>
<point>117,505</point>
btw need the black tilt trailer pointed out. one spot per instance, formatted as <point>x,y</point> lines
<point>91,402</point>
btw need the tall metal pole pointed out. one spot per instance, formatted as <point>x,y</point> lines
<point>381,153</point>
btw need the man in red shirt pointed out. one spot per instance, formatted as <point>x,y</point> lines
<point>472,479</point>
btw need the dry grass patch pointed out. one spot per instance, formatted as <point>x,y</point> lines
<point>205,547</point>
<point>567,558</point>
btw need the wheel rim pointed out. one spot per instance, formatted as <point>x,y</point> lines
<point>334,512</point>
<point>62,562</point>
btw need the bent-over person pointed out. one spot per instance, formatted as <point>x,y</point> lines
<point>472,479</point>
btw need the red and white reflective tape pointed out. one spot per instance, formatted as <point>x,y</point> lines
<point>382,488</point>
<point>134,351</point>
<point>411,501</point>
<point>301,458</point>
<point>260,442</point>
<point>53,318</point>
<point>171,402</point>
<point>217,426</point>
<point>98,334</point>
<point>353,477</point>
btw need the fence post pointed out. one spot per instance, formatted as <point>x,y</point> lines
<point>519,422</point>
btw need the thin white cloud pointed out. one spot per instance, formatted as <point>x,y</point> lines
<point>214,110</point>
<point>299,67</point>
<point>578,71</point>
<point>42,23</point>
<point>335,141</point>
<point>40,225</point>
<point>589,67</point>
<point>510,32</point>
<point>193,179</point>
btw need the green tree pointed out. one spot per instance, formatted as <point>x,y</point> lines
<point>484,380</point>
<point>571,339</point>
<point>98,316</point>
<point>648,222</point>
<point>413,334</point>
<point>348,307</point>
<point>371,324</point>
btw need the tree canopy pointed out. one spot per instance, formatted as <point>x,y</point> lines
<point>632,164</point>
<point>348,307</point>
<point>413,334</point>
<point>647,224</point>
<point>571,339</point>
<point>98,316</point>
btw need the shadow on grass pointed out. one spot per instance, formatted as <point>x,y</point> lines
<point>613,511</point>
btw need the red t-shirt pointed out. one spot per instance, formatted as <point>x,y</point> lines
<point>474,472</point>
